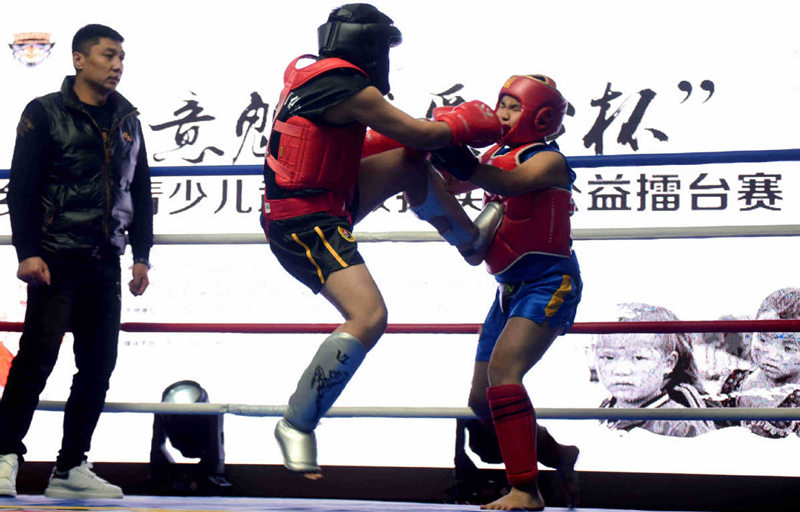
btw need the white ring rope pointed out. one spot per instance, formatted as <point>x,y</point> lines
<point>720,413</point>
<point>653,233</point>
<point>577,234</point>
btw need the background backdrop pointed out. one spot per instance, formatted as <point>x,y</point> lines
<point>640,78</point>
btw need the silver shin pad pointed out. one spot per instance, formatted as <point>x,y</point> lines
<point>331,368</point>
<point>487,222</point>
<point>433,207</point>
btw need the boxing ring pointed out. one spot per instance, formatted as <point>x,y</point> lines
<point>145,503</point>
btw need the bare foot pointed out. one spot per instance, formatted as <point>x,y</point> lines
<point>567,476</point>
<point>517,499</point>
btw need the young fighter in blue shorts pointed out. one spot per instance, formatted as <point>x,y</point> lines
<point>318,186</point>
<point>539,282</point>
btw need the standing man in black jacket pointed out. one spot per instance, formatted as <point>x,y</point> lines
<point>79,184</point>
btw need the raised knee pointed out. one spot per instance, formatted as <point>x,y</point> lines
<point>415,178</point>
<point>414,158</point>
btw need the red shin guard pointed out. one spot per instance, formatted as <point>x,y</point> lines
<point>515,423</point>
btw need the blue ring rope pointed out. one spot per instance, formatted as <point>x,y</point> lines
<point>712,157</point>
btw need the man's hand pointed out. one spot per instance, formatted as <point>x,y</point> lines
<point>34,271</point>
<point>140,280</point>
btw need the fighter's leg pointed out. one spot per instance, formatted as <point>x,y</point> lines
<point>549,451</point>
<point>470,483</point>
<point>354,293</point>
<point>440,208</point>
<point>477,393</point>
<point>406,171</point>
<point>384,175</point>
<point>521,344</point>
<point>562,458</point>
<point>400,170</point>
<point>482,438</point>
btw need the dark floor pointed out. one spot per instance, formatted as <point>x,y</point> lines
<point>29,503</point>
<point>431,486</point>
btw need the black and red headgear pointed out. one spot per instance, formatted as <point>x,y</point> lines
<point>361,35</point>
<point>543,108</point>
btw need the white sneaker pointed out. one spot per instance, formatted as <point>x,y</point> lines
<point>80,482</point>
<point>9,465</point>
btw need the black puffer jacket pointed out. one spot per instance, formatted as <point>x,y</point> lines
<point>84,181</point>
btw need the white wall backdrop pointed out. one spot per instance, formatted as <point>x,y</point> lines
<point>683,76</point>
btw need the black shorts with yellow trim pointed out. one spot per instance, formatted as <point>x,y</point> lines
<point>312,247</point>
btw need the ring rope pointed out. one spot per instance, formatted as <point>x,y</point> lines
<point>651,233</point>
<point>708,157</point>
<point>577,328</point>
<point>554,413</point>
<point>727,414</point>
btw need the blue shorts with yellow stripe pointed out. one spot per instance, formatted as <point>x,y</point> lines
<point>551,297</point>
<point>312,247</point>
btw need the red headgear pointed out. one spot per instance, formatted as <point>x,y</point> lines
<point>543,107</point>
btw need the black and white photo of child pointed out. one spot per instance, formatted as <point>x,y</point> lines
<point>650,370</point>
<point>774,379</point>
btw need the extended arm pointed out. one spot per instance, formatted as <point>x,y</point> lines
<point>543,170</point>
<point>471,122</point>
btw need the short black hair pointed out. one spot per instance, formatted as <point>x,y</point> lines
<point>90,35</point>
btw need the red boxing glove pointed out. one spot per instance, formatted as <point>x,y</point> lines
<point>376,142</point>
<point>473,123</point>
<point>439,111</point>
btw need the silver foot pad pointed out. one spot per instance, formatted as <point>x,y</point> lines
<point>299,448</point>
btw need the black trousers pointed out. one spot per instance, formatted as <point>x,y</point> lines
<point>83,297</point>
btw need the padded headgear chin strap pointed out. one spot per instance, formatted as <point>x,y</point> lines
<point>362,35</point>
<point>543,108</point>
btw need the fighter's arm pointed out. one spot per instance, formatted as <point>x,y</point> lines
<point>472,123</point>
<point>543,170</point>
<point>369,108</point>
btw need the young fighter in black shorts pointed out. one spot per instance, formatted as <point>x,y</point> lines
<point>318,186</point>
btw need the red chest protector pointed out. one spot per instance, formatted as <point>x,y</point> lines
<point>536,222</point>
<point>313,155</point>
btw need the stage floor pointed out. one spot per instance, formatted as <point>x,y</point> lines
<point>27,503</point>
